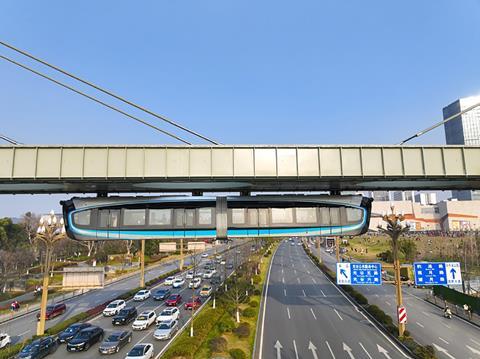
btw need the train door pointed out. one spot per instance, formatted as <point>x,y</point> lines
<point>179,223</point>
<point>108,223</point>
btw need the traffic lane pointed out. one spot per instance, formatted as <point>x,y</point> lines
<point>425,321</point>
<point>143,335</point>
<point>25,326</point>
<point>314,324</point>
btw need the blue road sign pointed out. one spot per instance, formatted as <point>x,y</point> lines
<point>437,273</point>
<point>359,273</point>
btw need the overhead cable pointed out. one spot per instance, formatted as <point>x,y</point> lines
<point>440,123</point>
<point>56,68</point>
<point>9,140</point>
<point>95,99</point>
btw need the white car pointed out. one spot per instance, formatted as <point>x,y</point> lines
<point>209,273</point>
<point>141,351</point>
<point>169,280</point>
<point>189,274</point>
<point>144,320</point>
<point>195,283</point>
<point>204,255</point>
<point>114,308</point>
<point>218,257</point>
<point>177,283</point>
<point>142,295</point>
<point>168,314</point>
<point>4,340</point>
<point>165,330</point>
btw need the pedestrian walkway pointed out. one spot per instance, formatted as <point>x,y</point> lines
<point>457,310</point>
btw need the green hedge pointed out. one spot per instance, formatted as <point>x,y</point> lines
<point>11,351</point>
<point>237,353</point>
<point>60,327</point>
<point>458,298</point>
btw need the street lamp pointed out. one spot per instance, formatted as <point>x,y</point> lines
<point>49,232</point>
<point>394,230</point>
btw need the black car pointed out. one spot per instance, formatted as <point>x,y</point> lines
<point>125,316</point>
<point>115,342</point>
<point>229,266</point>
<point>39,348</point>
<point>161,294</point>
<point>71,331</point>
<point>216,280</point>
<point>85,338</point>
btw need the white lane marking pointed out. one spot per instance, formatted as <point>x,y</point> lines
<point>295,347</point>
<point>295,271</point>
<point>365,350</point>
<point>427,314</point>
<point>278,347</point>
<point>330,350</point>
<point>443,350</point>
<point>314,281</point>
<point>298,280</point>
<point>303,290</point>
<point>282,270</point>
<point>322,293</point>
<point>443,340</point>
<point>283,280</point>
<point>388,303</point>
<point>288,313</point>
<point>420,325</point>
<point>338,314</point>
<point>311,310</point>
<point>284,292</point>
<point>308,271</point>
<point>348,350</point>
<point>446,325</point>
<point>293,265</point>
<point>22,334</point>
<point>474,341</point>
<point>265,306</point>
<point>376,295</point>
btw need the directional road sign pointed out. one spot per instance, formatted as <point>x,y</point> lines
<point>359,273</point>
<point>437,273</point>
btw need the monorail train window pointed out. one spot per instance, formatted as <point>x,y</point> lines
<point>262,217</point>
<point>335,216</point>
<point>108,218</point>
<point>82,218</point>
<point>159,217</point>
<point>354,215</point>
<point>306,215</point>
<point>189,217</point>
<point>282,215</point>
<point>238,216</point>
<point>134,217</point>
<point>205,216</point>
<point>253,217</point>
<point>325,216</point>
<point>179,218</point>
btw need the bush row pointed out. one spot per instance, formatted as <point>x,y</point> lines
<point>419,351</point>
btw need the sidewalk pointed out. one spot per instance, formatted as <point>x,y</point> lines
<point>456,309</point>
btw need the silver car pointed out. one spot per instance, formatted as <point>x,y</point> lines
<point>165,330</point>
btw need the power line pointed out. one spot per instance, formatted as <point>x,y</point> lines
<point>163,118</point>
<point>94,99</point>
<point>9,140</point>
<point>439,123</point>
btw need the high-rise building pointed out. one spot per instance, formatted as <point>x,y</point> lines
<point>463,130</point>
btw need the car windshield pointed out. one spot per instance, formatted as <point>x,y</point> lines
<point>50,308</point>
<point>173,296</point>
<point>164,326</point>
<point>170,278</point>
<point>161,291</point>
<point>83,335</point>
<point>32,348</point>
<point>205,288</point>
<point>123,312</point>
<point>141,292</point>
<point>112,305</point>
<point>136,352</point>
<point>71,329</point>
<point>113,338</point>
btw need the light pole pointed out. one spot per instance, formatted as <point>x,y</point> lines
<point>49,232</point>
<point>394,230</point>
<point>142,263</point>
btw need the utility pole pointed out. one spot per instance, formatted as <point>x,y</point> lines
<point>142,263</point>
<point>181,253</point>
<point>337,248</point>
<point>49,232</point>
<point>394,231</point>
<point>319,250</point>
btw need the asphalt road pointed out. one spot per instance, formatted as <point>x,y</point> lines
<point>25,326</point>
<point>306,316</point>
<point>452,338</point>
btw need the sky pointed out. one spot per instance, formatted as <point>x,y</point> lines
<point>240,72</point>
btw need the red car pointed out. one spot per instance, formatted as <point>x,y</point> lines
<point>54,310</point>
<point>196,303</point>
<point>173,300</point>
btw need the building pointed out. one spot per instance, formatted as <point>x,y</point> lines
<point>463,130</point>
<point>443,216</point>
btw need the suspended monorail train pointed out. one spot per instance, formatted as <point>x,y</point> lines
<point>133,218</point>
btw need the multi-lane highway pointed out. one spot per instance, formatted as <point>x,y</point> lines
<point>452,338</point>
<point>305,316</point>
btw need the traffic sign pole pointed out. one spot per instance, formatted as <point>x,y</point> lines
<point>337,248</point>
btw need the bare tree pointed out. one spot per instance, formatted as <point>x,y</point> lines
<point>129,246</point>
<point>30,223</point>
<point>90,245</point>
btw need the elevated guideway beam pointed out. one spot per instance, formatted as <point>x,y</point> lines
<point>94,169</point>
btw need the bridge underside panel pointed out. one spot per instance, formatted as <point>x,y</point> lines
<point>91,169</point>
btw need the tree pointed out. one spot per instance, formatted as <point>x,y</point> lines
<point>30,223</point>
<point>129,246</point>
<point>409,249</point>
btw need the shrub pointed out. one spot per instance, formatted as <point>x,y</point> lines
<point>249,313</point>
<point>257,279</point>
<point>243,330</point>
<point>218,344</point>
<point>59,327</point>
<point>237,353</point>
<point>11,351</point>
<point>226,325</point>
<point>257,292</point>
<point>253,303</point>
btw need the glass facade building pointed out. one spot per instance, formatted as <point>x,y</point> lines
<point>463,130</point>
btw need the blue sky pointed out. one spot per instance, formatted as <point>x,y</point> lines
<point>306,72</point>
